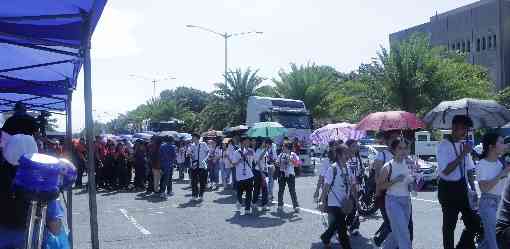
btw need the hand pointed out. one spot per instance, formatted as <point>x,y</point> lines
<point>467,148</point>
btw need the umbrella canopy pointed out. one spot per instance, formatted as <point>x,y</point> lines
<point>392,120</point>
<point>173,134</point>
<point>185,136</point>
<point>484,113</point>
<point>145,136</point>
<point>267,130</point>
<point>236,130</point>
<point>212,134</point>
<point>340,131</point>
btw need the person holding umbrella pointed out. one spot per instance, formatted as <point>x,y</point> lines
<point>456,185</point>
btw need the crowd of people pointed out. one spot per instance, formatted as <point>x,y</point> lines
<point>250,166</point>
<point>486,222</point>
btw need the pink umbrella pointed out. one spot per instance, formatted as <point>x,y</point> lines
<point>340,131</point>
<point>393,120</point>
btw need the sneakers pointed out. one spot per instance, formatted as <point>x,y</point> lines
<point>247,212</point>
<point>200,198</point>
<point>194,198</point>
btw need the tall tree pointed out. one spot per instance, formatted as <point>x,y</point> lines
<point>310,83</point>
<point>193,99</point>
<point>238,88</point>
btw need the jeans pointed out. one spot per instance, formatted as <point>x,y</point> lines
<point>156,174</point>
<point>488,209</point>
<point>336,223</point>
<point>259,184</point>
<point>198,177</point>
<point>245,186</point>
<point>454,200</point>
<point>270,182</point>
<point>291,182</point>
<point>166,181</point>
<point>213,171</point>
<point>225,174</point>
<point>398,209</point>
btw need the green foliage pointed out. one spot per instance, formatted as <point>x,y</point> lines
<point>235,92</point>
<point>311,84</point>
<point>503,97</point>
<point>187,97</point>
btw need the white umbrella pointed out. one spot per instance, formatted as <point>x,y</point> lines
<point>340,131</point>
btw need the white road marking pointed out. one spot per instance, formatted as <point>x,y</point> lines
<point>425,200</point>
<point>304,209</point>
<point>134,222</point>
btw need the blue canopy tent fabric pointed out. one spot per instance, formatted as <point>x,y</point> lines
<point>43,46</point>
<point>42,43</point>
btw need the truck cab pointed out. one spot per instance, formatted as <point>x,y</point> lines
<point>291,114</point>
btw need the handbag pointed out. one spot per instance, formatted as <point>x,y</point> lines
<point>471,194</point>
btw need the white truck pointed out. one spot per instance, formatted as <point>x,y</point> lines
<point>292,114</point>
<point>426,144</point>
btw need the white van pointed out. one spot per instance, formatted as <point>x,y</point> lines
<point>426,145</point>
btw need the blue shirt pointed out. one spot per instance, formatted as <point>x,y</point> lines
<point>167,156</point>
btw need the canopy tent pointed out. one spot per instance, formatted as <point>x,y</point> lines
<point>44,44</point>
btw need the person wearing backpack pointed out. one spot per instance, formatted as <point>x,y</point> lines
<point>396,180</point>
<point>456,185</point>
<point>336,199</point>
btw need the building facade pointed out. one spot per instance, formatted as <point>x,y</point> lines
<point>481,30</point>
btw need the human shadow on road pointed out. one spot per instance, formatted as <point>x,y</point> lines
<point>150,198</point>
<point>226,200</point>
<point>291,216</point>
<point>111,193</point>
<point>254,221</point>
<point>358,242</point>
<point>190,203</point>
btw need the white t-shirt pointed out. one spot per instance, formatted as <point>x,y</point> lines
<point>243,169</point>
<point>260,159</point>
<point>446,154</point>
<point>286,165</point>
<point>325,165</point>
<point>400,189</point>
<point>487,171</point>
<point>339,188</point>
<point>354,166</point>
<point>201,155</point>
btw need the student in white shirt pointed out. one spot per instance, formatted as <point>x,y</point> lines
<point>396,179</point>
<point>181,159</point>
<point>213,166</point>
<point>456,183</point>
<point>492,176</point>
<point>271,171</point>
<point>244,174</point>
<point>259,169</point>
<point>200,153</point>
<point>325,165</point>
<point>287,160</point>
<point>356,169</point>
<point>381,159</point>
<point>337,188</point>
<point>226,166</point>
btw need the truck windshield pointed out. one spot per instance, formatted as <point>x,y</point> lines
<point>289,120</point>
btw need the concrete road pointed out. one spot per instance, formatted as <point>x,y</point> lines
<point>132,220</point>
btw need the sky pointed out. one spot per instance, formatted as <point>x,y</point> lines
<point>149,38</point>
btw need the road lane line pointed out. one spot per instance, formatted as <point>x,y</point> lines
<point>134,222</point>
<point>425,200</point>
<point>303,209</point>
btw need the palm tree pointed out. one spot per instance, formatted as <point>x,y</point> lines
<point>238,88</point>
<point>310,83</point>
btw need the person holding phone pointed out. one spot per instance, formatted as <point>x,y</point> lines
<point>491,175</point>
<point>395,179</point>
<point>456,185</point>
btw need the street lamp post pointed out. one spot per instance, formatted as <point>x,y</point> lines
<point>225,36</point>
<point>154,81</point>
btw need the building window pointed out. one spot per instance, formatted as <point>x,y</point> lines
<point>468,46</point>
<point>494,40</point>
<point>463,46</point>
<point>490,42</point>
<point>478,45</point>
<point>484,43</point>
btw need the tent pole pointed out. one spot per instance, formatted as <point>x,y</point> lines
<point>69,141</point>
<point>89,127</point>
